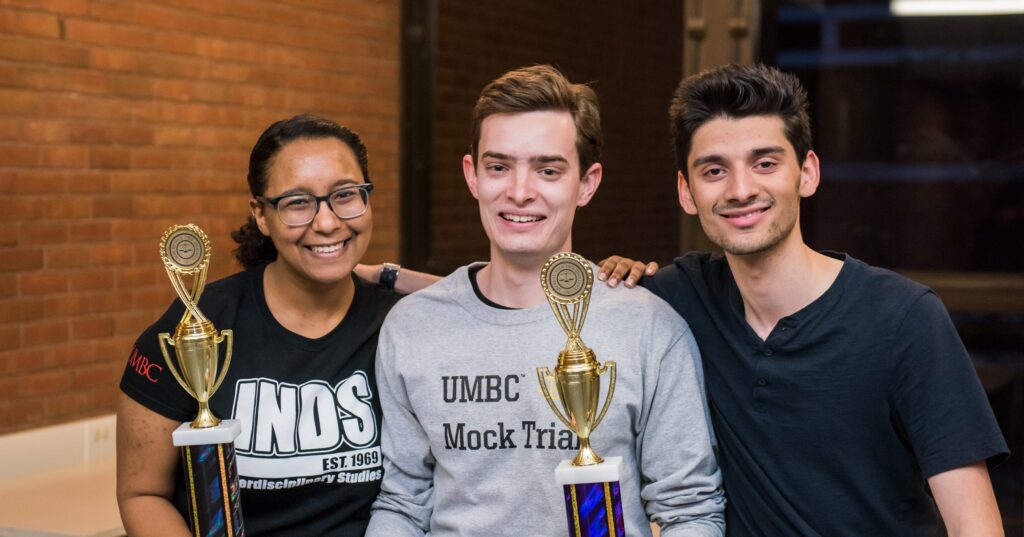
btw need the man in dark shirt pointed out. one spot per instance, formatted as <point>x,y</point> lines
<point>843,401</point>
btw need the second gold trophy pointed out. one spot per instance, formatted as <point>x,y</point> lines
<point>590,483</point>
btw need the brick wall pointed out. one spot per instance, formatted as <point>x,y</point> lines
<point>631,52</point>
<point>120,118</point>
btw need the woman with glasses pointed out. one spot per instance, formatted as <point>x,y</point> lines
<point>301,380</point>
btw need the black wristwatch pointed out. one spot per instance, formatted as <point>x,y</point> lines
<point>388,275</point>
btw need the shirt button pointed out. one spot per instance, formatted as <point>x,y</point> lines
<point>762,382</point>
<point>767,352</point>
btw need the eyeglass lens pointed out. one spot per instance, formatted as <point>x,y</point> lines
<point>301,209</point>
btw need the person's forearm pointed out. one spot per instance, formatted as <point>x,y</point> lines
<point>152,515</point>
<point>966,501</point>
<point>408,281</point>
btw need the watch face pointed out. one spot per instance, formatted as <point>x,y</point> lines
<point>567,278</point>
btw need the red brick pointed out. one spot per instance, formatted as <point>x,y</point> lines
<point>20,208</point>
<point>21,309</point>
<point>67,207</point>
<point>18,156</point>
<point>110,302</point>
<point>152,158</point>
<point>45,130</point>
<point>160,296</point>
<point>96,279</point>
<point>44,333</point>
<point>76,351</point>
<point>10,131</point>
<point>132,37</point>
<point>177,43</point>
<point>92,327</point>
<point>68,404</point>
<point>20,259</point>
<point>66,256</point>
<point>74,105</point>
<point>8,386</point>
<point>66,54</point>
<point>8,285</point>
<point>90,133</point>
<point>105,398</point>
<point>112,206</point>
<point>10,338</point>
<point>66,7</point>
<point>29,22</point>
<point>102,374</point>
<point>90,231</point>
<point>43,283</point>
<point>88,182</point>
<point>24,411</point>
<point>133,135</point>
<point>44,383</point>
<point>43,232</point>
<point>69,305</point>
<point>49,78</point>
<point>138,276</point>
<point>64,156</point>
<point>113,60</point>
<point>109,157</point>
<point>28,360</point>
<point>87,31</point>
<point>115,349</point>
<point>130,85</point>
<point>112,254</point>
<point>174,135</point>
<point>32,181</point>
<point>133,322</point>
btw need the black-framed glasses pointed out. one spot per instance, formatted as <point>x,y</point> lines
<point>300,209</point>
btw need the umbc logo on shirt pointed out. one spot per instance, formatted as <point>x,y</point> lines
<point>140,364</point>
<point>282,419</point>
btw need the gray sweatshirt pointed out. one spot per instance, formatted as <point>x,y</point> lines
<point>470,444</point>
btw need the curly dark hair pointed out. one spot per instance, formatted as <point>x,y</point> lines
<point>255,248</point>
<point>739,91</point>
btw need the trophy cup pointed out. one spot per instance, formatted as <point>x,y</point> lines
<point>207,443</point>
<point>593,502</point>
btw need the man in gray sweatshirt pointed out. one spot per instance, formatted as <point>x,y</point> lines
<point>469,441</point>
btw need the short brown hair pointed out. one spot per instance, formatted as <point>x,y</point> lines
<point>537,88</point>
<point>739,91</point>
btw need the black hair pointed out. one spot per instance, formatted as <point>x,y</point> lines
<point>255,248</point>
<point>738,91</point>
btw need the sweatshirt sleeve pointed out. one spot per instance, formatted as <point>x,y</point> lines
<point>405,502</point>
<point>680,480</point>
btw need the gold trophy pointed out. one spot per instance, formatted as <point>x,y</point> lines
<point>207,443</point>
<point>567,280</point>
<point>185,250</point>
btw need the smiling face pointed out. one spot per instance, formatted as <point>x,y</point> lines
<point>528,182</point>
<point>325,250</point>
<point>745,184</point>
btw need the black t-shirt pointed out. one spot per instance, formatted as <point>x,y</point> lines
<point>832,425</point>
<point>308,457</point>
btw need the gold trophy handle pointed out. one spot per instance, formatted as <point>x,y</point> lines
<point>165,339</point>
<point>608,366</point>
<point>230,337</point>
<point>543,374</point>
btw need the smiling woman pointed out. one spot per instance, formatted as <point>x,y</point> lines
<point>302,378</point>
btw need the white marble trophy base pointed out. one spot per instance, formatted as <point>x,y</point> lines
<point>223,433</point>
<point>607,471</point>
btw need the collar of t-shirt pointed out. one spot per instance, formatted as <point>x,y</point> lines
<point>476,289</point>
